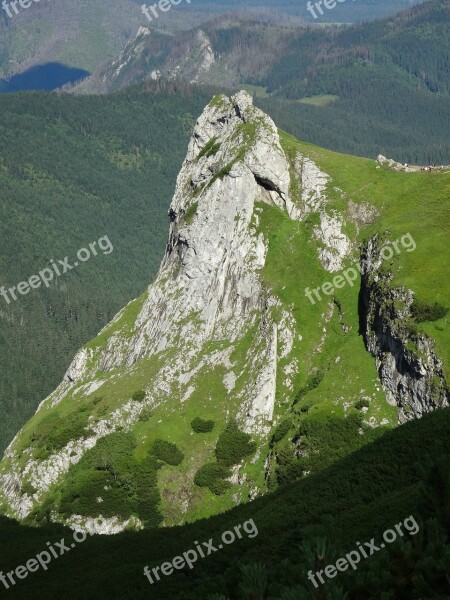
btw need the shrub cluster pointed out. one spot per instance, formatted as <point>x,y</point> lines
<point>362,404</point>
<point>111,472</point>
<point>201,426</point>
<point>139,395</point>
<point>213,476</point>
<point>281,430</point>
<point>321,442</point>
<point>427,312</point>
<point>167,451</point>
<point>145,414</point>
<point>233,445</point>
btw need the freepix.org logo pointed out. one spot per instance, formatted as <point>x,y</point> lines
<point>317,8</point>
<point>191,556</point>
<point>11,9</point>
<point>163,6</point>
<point>365,550</point>
<point>47,275</point>
<point>42,560</point>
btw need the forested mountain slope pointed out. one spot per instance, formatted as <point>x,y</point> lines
<point>84,34</point>
<point>71,171</point>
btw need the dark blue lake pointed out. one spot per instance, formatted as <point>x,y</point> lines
<point>43,77</point>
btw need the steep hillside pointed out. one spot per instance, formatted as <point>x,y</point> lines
<point>73,170</point>
<point>299,528</point>
<point>258,355</point>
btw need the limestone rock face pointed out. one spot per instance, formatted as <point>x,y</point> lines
<point>410,371</point>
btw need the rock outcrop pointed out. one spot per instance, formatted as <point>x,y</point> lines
<point>208,293</point>
<point>410,371</point>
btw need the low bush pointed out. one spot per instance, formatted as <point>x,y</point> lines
<point>167,451</point>
<point>139,395</point>
<point>201,426</point>
<point>427,312</point>
<point>281,430</point>
<point>213,476</point>
<point>233,445</point>
<point>363,403</point>
<point>145,414</point>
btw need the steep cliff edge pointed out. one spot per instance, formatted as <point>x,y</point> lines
<point>224,379</point>
<point>411,373</point>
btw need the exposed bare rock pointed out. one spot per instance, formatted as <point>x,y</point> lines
<point>410,371</point>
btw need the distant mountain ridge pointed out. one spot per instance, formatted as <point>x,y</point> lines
<point>380,87</point>
<point>84,35</point>
<point>233,50</point>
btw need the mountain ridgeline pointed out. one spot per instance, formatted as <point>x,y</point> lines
<point>84,35</point>
<point>370,88</point>
<point>242,368</point>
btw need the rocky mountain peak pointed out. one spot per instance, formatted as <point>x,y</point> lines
<point>225,335</point>
<point>206,298</point>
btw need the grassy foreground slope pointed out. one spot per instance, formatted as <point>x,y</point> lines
<point>306,525</point>
<point>71,171</point>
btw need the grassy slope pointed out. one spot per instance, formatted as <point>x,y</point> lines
<point>415,203</point>
<point>364,494</point>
